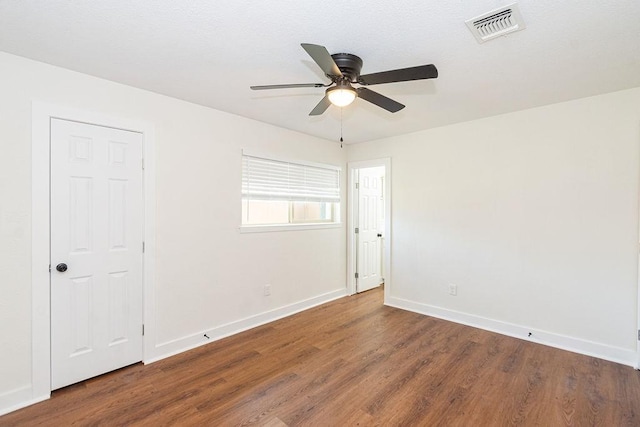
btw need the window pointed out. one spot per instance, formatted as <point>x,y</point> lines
<point>276,192</point>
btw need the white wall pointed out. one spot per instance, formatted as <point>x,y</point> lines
<point>534,215</point>
<point>208,275</point>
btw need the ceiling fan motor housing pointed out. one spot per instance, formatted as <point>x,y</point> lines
<point>350,66</point>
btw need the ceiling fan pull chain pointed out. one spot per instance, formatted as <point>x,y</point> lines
<point>340,127</point>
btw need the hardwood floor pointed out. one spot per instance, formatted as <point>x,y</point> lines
<point>354,362</point>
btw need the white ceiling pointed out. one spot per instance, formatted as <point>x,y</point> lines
<point>210,52</point>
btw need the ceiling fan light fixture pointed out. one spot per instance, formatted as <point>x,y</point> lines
<point>341,95</point>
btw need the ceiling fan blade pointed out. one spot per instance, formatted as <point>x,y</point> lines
<point>402,75</point>
<point>321,107</point>
<point>323,58</point>
<point>379,100</point>
<point>287,86</point>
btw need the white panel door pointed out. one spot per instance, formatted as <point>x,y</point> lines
<point>97,232</point>
<point>370,224</point>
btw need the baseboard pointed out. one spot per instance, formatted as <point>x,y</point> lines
<point>22,397</point>
<point>177,346</point>
<point>19,398</point>
<point>576,345</point>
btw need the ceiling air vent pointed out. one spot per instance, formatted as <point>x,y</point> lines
<point>496,23</point>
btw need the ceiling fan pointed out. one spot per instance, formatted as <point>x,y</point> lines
<point>344,70</point>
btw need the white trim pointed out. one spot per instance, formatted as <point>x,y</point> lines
<point>149,267</point>
<point>637,363</point>
<point>40,297</point>
<point>287,227</point>
<point>576,345</point>
<point>18,399</point>
<point>351,212</point>
<point>40,232</point>
<point>177,346</point>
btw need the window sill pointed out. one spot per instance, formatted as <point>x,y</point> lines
<point>287,227</point>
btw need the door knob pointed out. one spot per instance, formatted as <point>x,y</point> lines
<point>62,267</point>
<point>379,235</point>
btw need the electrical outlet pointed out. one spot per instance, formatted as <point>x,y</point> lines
<point>267,290</point>
<point>453,289</point>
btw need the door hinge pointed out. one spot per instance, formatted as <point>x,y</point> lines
<point>142,163</point>
<point>49,268</point>
<point>356,275</point>
<point>638,334</point>
<point>143,329</point>
<point>142,247</point>
<point>357,185</point>
<point>357,230</point>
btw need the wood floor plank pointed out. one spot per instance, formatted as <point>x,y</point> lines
<point>354,361</point>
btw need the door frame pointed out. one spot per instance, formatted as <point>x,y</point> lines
<point>637,331</point>
<point>42,113</point>
<point>352,211</point>
<point>638,304</point>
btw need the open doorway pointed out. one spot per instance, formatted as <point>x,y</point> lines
<point>369,225</point>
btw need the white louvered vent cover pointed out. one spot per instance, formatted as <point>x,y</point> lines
<point>496,23</point>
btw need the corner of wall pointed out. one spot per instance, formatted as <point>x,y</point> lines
<point>563,342</point>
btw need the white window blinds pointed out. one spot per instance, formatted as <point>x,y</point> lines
<point>267,179</point>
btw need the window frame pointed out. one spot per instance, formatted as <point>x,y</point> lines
<point>293,225</point>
